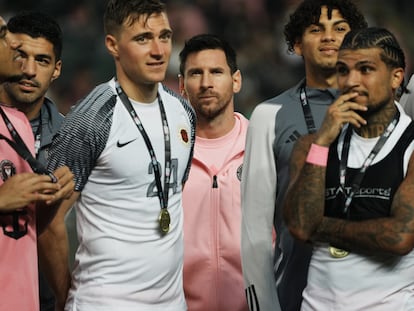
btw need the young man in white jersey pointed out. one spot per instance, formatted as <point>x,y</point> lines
<point>275,273</point>
<point>351,192</point>
<point>24,194</point>
<point>209,78</point>
<point>129,144</point>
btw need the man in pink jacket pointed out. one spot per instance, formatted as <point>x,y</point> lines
<point>26,191</point>
<point>209,78</point>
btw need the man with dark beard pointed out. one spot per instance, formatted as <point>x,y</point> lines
<point>351,192</point>
<point>275,271</point>
<point>209,78</point>
<point>23,194</point>
<point>41,48</point>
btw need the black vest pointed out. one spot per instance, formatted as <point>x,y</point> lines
<point>378,186</point>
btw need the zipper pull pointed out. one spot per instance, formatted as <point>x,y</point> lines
<point>215,184</point>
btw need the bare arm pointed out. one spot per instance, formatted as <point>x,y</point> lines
<point>53,253</point>
<point>394,234</point>
<point>305,198</point>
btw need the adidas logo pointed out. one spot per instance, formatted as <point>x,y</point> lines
<point>293,137</point>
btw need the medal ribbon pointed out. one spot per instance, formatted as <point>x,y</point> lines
<point>38,135</point>
<point>307,113</point>
<point>356,183</point>
<point>21,149</point>
<point>161,192</point>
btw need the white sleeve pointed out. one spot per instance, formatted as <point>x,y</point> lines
<point>407,99</point>
<point>258,193</point>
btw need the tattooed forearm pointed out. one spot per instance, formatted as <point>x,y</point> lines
<point>380,236</point>
<point>304,204</point>
<point>388,235</point>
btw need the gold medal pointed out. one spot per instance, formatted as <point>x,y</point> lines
<point>164,221</point>
<point>337,252</point>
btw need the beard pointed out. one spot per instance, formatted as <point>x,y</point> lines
<point>209,113</point>
<point>372,110</point>
<point>22,101</point>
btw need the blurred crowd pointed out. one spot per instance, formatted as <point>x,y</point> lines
<point>253,27</point>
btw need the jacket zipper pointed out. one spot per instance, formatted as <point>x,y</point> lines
<point>215,183</point>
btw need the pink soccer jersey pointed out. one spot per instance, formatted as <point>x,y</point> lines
<point>18,259</point>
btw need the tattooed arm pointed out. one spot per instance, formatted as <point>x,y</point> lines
<point>393,235</point>
<point>305,199</point>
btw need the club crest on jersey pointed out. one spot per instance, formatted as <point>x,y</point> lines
<point>184,135</point>
<point>7,169</point>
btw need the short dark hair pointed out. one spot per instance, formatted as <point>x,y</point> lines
<point>309,12</point>
<point>38,25</point>
<point>208,42</point>
<point>118,11</point>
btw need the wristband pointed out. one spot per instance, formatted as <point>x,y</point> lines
<point>318,155</point>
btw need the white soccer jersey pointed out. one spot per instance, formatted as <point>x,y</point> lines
<point>123,262</point>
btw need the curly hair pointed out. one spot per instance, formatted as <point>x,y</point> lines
<point>309,12</point>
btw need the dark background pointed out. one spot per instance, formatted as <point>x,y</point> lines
<point>253,27</point>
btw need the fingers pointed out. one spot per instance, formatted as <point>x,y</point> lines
<point>66,183</point>
<point>31,182</point>
<point>344,110</point>
<point>22,189</point>
<point>38,196</point>
<point>64,193</point>
<point>41,188</point>
<point>42,184</point>
<point>62,172</point>
<point>65,178</point>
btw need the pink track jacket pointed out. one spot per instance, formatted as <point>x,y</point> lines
<point>212,220</point>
